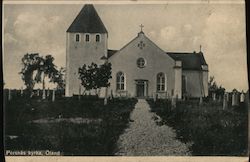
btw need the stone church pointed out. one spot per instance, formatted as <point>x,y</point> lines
<point>139,69</point>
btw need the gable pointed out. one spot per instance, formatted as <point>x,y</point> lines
<point>139,47</point>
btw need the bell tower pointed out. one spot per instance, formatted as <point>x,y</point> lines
<point>86,42</point>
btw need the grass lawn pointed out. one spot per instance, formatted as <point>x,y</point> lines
<point>212,131</point>
<point>92,138</point>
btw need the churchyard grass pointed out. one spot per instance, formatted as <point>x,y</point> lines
<point>210,129</point>
<point>95,131</point>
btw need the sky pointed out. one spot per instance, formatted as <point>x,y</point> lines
<point>218,28</point>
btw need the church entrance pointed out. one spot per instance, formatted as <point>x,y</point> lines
<point>141,88</point>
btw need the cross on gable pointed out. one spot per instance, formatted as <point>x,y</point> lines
<point>141,26</point>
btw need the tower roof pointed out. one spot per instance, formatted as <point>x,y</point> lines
<point>87,21</point>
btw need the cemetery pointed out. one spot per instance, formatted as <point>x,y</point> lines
<point>215,126</point>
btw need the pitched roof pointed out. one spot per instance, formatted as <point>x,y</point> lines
<point>110,53</point>
<point>87,21</point>
<point>190,61</point>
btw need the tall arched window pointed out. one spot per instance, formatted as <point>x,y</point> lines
<point>120,81</point>
<point>160,82</point>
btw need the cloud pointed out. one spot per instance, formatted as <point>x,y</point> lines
<point>35,27</point>
<point>9,38</point>
<point>224,39</point>
<point>176,38</point>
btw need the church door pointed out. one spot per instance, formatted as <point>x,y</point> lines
<point>141,88</point>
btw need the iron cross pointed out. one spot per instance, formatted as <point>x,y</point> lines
<point>141,26</point>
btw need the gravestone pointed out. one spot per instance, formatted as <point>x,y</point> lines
<point>234,99</point>
<point>173,102</point>
<point>44,95</point>
<point>48,92</point>
<point>214,96</point>
<point>53,95</point>
<point>155,97</point>
<point>225,105</point>
<point>21,91</point>
<point>38,92</point>
<point>79,95</point>
<point>219,98</point>
<point>9,95</point>
<point>201,101</point>
<point>227,97</point>
<point>237,98</point>
<point>242,97</point>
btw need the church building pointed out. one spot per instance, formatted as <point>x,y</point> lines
<point>139,69</point>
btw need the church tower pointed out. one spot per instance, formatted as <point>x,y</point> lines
<point>86,42</point>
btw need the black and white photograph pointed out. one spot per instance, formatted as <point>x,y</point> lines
<point>120,79</point>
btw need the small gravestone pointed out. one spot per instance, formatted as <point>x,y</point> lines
<point>9,95</point>
<point>214,96</point>
<point>53,95</point>
<point>79,95</point>
<point>173,102</point>
<point>234,99</point>
<point>21,91</point>
<point>237,98</point>
<point>38,92</point>
<point>242,97</point>
<point>201,101</point>
<point>48,92</point>
<point>219,98</point>
<point>227,97</point>
<point>44,95</point>
<point>154,97</point>
<point>225,101</point>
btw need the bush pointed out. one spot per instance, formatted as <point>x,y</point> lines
<point>212,131</point>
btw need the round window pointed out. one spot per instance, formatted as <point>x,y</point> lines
<point>141,62</point>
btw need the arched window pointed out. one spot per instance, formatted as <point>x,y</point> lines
<point>120,81</point>
<point>97,37</point>
<point>87,37</point>
<point>77,37</point>
<point>160,82</point>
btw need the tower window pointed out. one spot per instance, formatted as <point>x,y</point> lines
<point>77,37</point>
<point>97,38</point>
<point>87,37</point>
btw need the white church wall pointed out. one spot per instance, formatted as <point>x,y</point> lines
<point>156,61</point>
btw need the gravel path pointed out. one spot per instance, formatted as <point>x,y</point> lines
<point>144,137</point>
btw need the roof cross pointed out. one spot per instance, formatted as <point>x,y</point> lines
<point>141,26</point>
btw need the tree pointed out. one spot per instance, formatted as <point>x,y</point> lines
<point>30,62</point>
<point>44,67</point>
<point>88,76</point>
<point>94,77</point>
<point>214,88</point>
<point>59,78</point>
